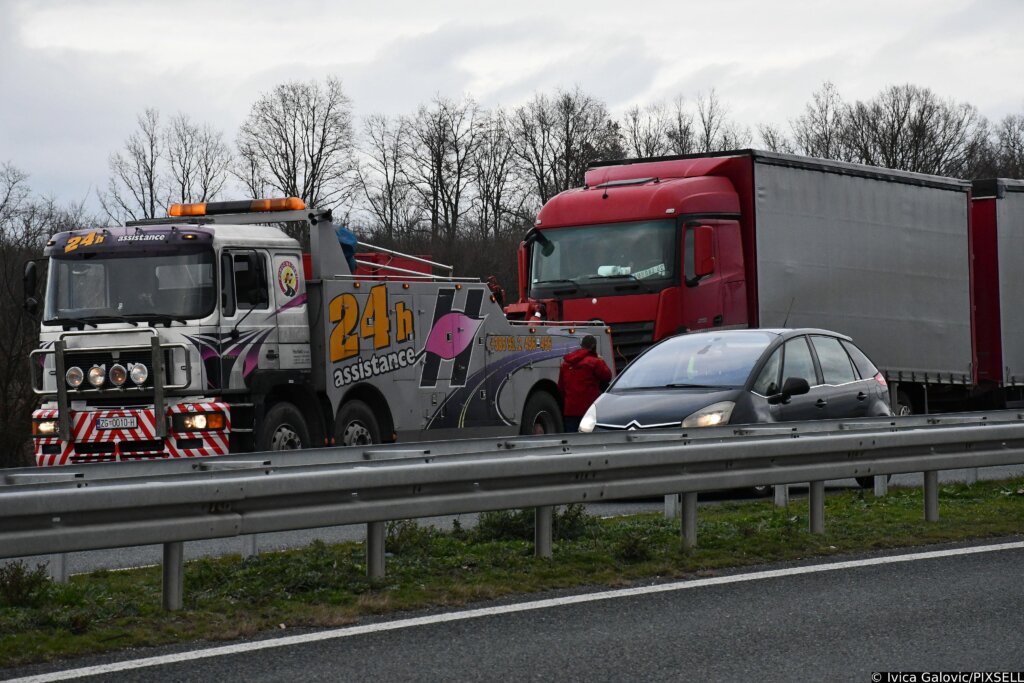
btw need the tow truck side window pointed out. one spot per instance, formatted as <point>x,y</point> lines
<point>242,288</point>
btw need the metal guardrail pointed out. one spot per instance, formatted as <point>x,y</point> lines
<point>171,501</point>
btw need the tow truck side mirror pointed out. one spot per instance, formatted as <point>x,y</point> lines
<point>29,283</point>
<point>703,250</point>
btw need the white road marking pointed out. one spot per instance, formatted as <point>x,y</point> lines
<point>350,631</point>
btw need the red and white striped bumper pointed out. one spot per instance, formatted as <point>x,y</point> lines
<point>130,434</point>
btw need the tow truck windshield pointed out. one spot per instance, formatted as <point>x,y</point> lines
<point>604,258</point>
<point>120,287</point>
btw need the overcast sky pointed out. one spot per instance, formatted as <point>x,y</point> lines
<point>74,74</point>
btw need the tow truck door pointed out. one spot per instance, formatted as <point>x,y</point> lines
<point>249,336</point>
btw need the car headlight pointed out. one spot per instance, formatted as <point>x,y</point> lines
<point>118,374</point>
<point>139,373</point>
<point>589,419</point>
<point>712,415</point>
<point>97,374</point>
<point>74,377</point>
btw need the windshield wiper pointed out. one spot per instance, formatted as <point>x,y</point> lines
<point>115,318</point>
<point>570,287</point>
<point>156,318</point>
<point>70,321</point>
<point>693,386</point>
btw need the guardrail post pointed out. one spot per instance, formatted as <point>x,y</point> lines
<point>375,550</point>
<point>816,502</point>
<point>543,521</point>
<point>174,574</point>
<point>689,526</point>
<point>881,485</point>
<point>972,475</point>
<point>671,506</point>
<point>781,492</point>
<point>249,547</point>
<point>931,496</point>
<point>57,568</point>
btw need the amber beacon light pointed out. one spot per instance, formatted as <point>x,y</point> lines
<point>246,206</point>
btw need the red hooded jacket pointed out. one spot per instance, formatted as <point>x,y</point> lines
<point>580,379</point>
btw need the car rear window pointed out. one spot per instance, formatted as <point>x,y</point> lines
<point>836,367</point>
<point>865,367</point>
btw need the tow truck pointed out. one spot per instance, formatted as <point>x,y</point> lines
<point>210,332</point>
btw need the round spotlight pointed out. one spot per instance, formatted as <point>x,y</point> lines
<point>199,421</point>
<point>139,373</point>
<point>97,374</point>
<point>118,375</point>
<point>74,377</point>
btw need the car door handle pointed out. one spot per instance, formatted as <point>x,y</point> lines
<point>821,403</point>
<point>861,396</point>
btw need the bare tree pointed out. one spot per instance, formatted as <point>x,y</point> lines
<point>298,141</point>
<point>1010,146</point>
<point>681,134</point>
<point>442,142</point>
<point>821,131</point>
<point>557,138</point>
<point>910,128</point>
<point>773,139</point>
<point>135,189</point>
<point>646,131</point>
<point>500,192</point>
<point>382,176</point>
<point>198,159</point>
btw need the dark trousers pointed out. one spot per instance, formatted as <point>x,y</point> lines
<point>571,423</point>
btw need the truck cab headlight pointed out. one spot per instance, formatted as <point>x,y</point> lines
<point>711,416</point>
<point>44,427</point>
<point>74,377</point>
<point>118,374</point>
<point>589,419</point>
<point>97,375</point>
<point>139,373</point>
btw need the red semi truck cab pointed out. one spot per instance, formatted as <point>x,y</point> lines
<point>630,246</point>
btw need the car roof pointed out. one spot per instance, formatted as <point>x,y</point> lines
<point>786,332</point>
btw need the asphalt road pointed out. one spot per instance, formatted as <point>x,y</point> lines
<point>798,622</point>
<point>138,556</point>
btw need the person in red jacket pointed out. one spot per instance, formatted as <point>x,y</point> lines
<point>581,378</point>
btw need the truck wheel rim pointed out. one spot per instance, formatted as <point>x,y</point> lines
<point>285,439</point>
<point>356,434</point>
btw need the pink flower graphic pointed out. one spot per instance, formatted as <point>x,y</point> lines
<point>451,335</point>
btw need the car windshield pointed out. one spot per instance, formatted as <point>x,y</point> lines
<point>639,251</point>
<point>714,359</point>
<point>125,285</point>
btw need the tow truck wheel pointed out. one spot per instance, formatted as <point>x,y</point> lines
<point>541,415</point>
<point>284,429</point>
<point>356,425</point>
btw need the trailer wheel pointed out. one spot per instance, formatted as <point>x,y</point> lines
<point>356,425</point>
<point>283,429</point>
<point>541,415</point>
<point>904,406</point>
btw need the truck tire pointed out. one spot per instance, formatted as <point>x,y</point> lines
<point>356,425</point>
<point>541,415</point>
<point>283,429</point>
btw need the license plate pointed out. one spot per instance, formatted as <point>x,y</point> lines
<point>117,423</point>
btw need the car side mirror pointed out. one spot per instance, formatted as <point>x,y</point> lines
<point>793,386</point>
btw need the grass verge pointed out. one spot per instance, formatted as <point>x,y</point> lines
<point>322,586</point>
